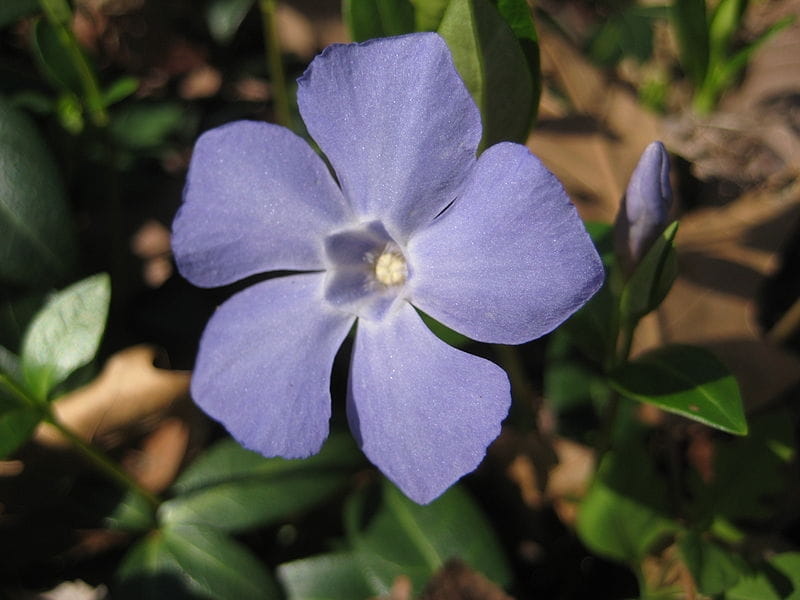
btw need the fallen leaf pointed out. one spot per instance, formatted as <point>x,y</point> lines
<point>593,143</point>
<point>129,391</point>
<point>457,581</point>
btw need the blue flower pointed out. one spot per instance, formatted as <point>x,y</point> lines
<point>489,246</point>
<point>645,207</point>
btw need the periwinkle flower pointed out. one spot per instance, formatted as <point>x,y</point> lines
<point>491,247</point>
<point>645,207</point>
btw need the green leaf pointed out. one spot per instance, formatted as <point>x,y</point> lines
<point>519,16</point>
<point>689,18</point>
<point>624,514</point>
<point>234,489</point>
<point>132,513</point>
<point>70,112</point>
<point>146,126</point>
<point>443,332</point>
<point>9,364</point>
<point>688,381</point>
<point>335,576</point>
<point>190,561</point>
<point>627,33</point>
<point>725,21</point>
<point>367,19</point>
<point>37,244</point>
<point>652,279</point>
<point>429,13</point>
<point>16,427</point>
<point>11,10</point>
<point>495,70</point>
<point>714,570</point>
<point>749,473</point>
<point>404,538</point>
<point>65,334</point>
<point>723,73</point>
<point>778,579</point>
<point>53,60</point>
<point>224,17</point>
<point>119,90</point>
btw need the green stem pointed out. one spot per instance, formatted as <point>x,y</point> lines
<point>102,462</point>
<point>59,14</point>
<point>272,49</point>
<point>620,354</point>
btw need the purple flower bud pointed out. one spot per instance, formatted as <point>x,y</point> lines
<point>645,207</point>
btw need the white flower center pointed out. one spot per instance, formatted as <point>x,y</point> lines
<point>390,268</point>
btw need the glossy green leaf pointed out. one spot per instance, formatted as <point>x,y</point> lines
<point>37,243</point>
<point>714,569</point>
<point>778,579</point>
<point>404,538</point>
<point>146,126</point>
<point>625,514</point>
<point>495,70</point>
<point>16,427</point>
<point>193,562</point>
<point>748,473</point>
<point>234,489</point>
<point>224,17</point>
<point>519,16</point>
<point>429,13</point>
<point>691,26</point>
<point>11,10</point>
<point>65,334</point>
<point>688,381</point>
<point>367,19</point>
<point>335,576</point>
<point>652,279</point>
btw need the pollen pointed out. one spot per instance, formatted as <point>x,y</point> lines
<point>390,268</point>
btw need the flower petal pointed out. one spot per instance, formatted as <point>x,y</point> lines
<point>397,123</point>
<point>423,411</point>
<point>510,259</point>
<point>257,199</point>
<point>264,365</point>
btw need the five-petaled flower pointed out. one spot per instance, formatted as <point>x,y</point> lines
<point>489,246</point>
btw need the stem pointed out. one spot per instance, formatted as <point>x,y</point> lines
<point>102,462</point>
<point>620,354</point>
<point>274,62</point>
<point>59,14</point>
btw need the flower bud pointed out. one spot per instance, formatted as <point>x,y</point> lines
<point>645,207</point>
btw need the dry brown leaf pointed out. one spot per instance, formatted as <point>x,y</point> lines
<point>669,576</point>
<point>129,391</point>
<point>456,581</point>
<point>594,147</point>
<point>157,463</point>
